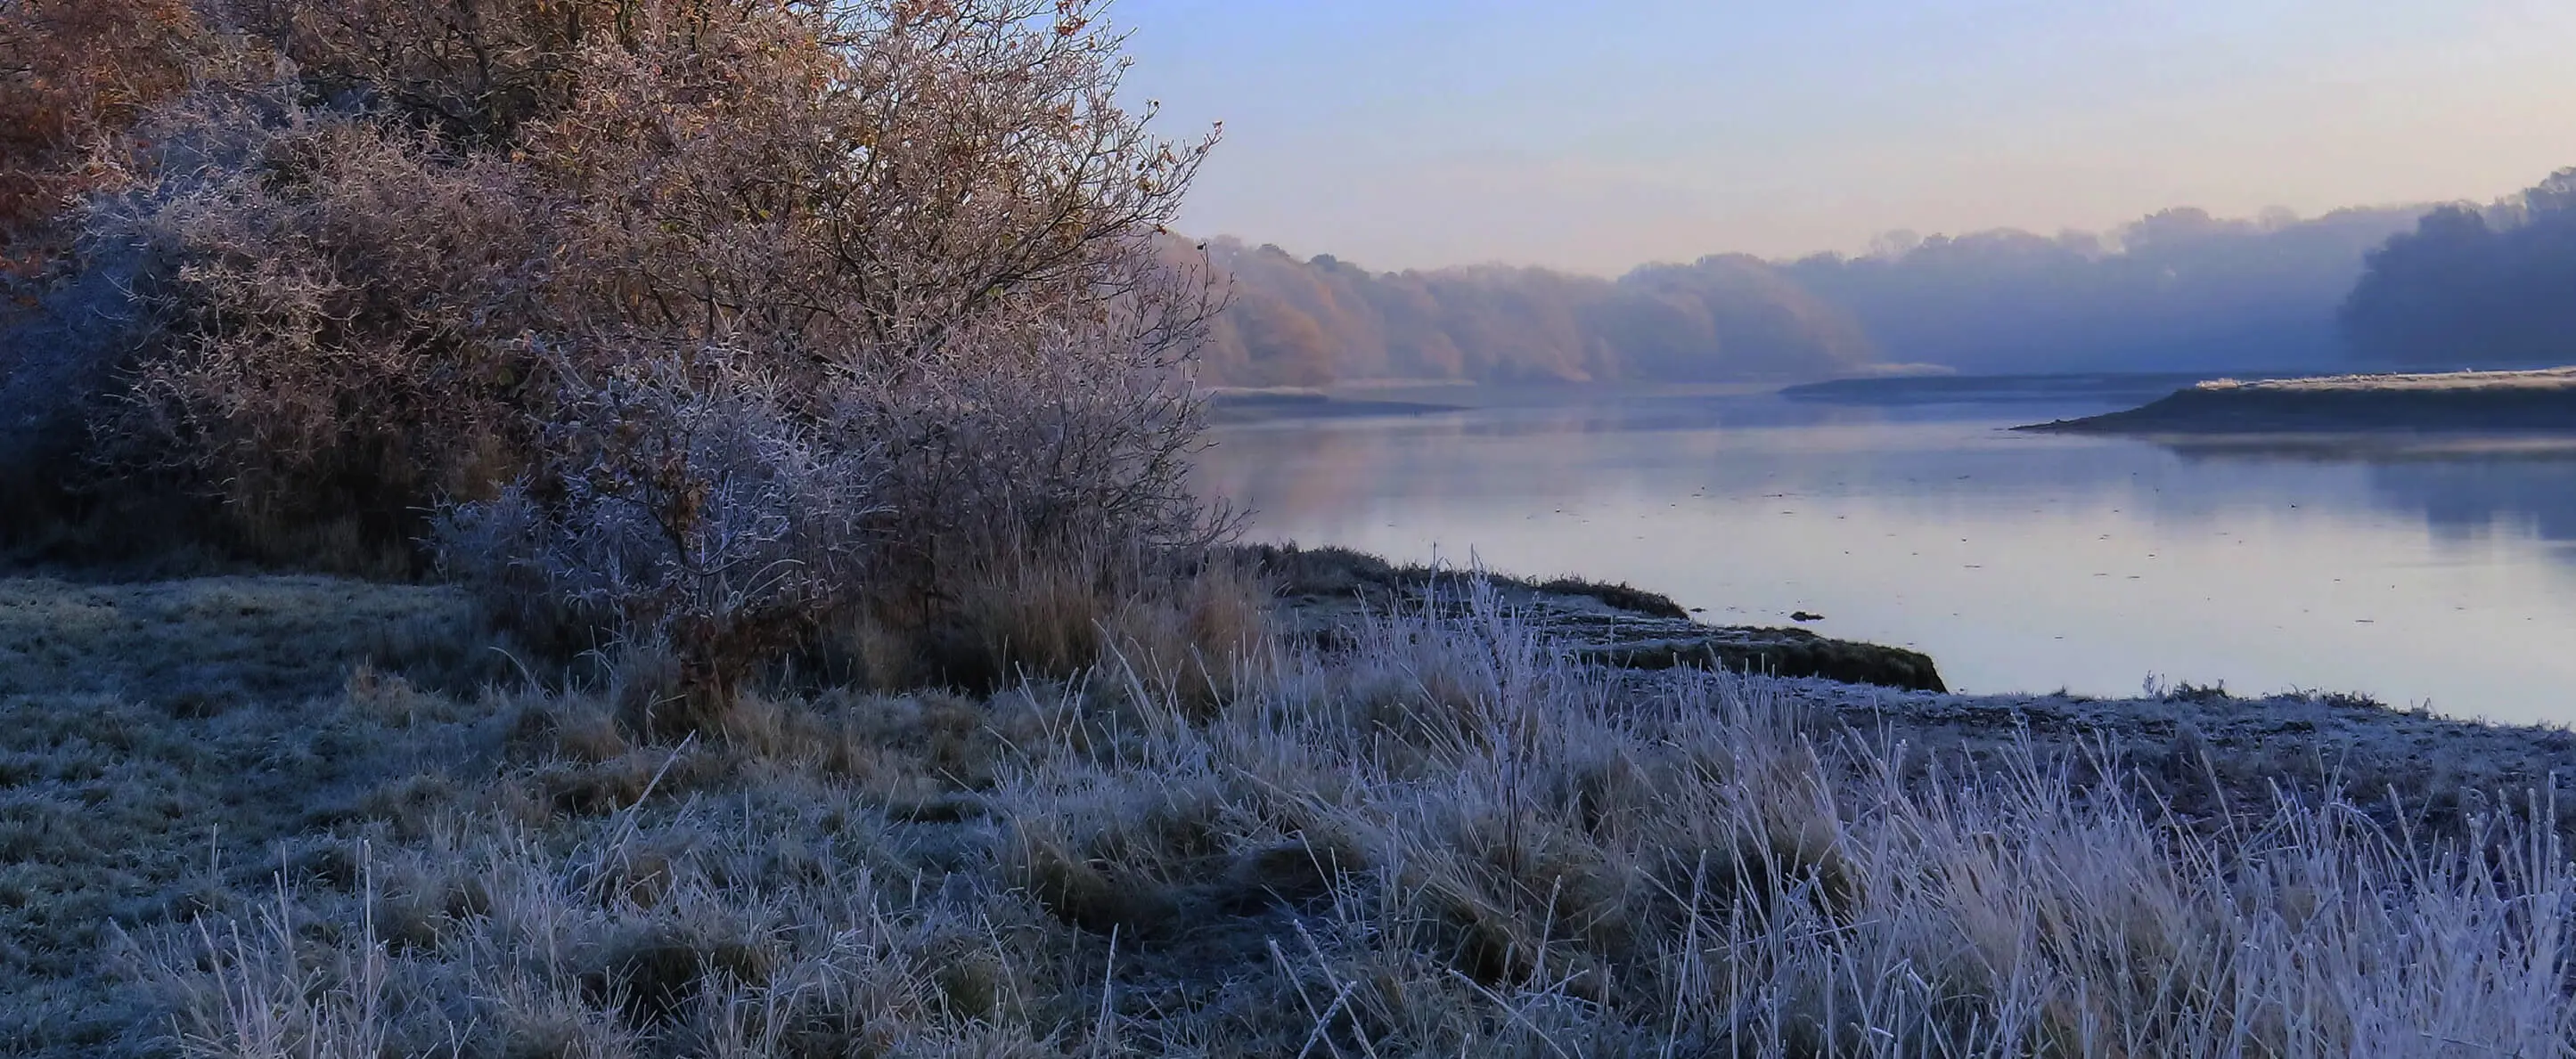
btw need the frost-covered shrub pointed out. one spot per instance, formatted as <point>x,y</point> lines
<point>1032,442</point>
<point>683,505</point>
<point>930,227</point>
<point>340,330</point>
<point>72,73</point>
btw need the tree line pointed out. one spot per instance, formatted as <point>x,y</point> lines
<point>2470,286</point>
<point>1319,320</point>
<point>2179,290</point>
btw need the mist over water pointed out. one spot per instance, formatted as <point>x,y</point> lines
<point>2440,574</point>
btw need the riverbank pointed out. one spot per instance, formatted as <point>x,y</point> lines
<point>1262,405</point>
<point>2452,401</point>
<point>1990,389</point>
<point>1326,591</point>
<point>268,816</point>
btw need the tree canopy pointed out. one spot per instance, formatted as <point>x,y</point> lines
<point>2471,287</point>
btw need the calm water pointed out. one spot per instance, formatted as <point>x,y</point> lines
<point>2437,575</point>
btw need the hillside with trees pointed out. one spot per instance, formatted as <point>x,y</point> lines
<point>2177,291</point>
<point>2472,287</point>
<point>1321,320</point>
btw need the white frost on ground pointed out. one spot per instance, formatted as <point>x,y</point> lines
<point>2541,379</point>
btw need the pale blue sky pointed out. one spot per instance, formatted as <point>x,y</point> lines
<point>1596,135</point>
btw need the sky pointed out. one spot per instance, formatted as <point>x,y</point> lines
<point>1595,135</point>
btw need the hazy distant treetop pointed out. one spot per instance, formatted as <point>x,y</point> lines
<point>1325,319</point>
<point>2179,289</point>
<point>2555,195</point>
<point>2474,287</point>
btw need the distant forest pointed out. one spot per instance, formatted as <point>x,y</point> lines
<point>1307,322</point>
<point>2470,287</point>
<point>2180,290</point>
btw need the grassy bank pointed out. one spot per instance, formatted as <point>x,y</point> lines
<point>291,816</point>
<point>2464,400</point>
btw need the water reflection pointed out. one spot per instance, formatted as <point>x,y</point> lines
<point>2462,487</point>
<point>2418,572</point>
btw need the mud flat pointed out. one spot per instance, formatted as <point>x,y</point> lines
<point>1328,589</point>
<point>1264,405</point>
<point>2451,401</point>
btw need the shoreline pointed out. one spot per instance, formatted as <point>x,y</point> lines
<point>1264,406</point>
<point>2452,402</point>
<point>151,626</point>
<point>1617,626</point>
<point>2238,745</point>
<point>1329,599</point>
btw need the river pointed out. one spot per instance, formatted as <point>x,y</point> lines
<point>2437,574</point>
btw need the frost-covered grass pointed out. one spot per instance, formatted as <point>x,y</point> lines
<point>2428,382</point>
<point>1436,838</point>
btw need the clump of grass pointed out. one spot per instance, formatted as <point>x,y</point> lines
<point>1341,572</point>
<point>201,643</point>
<point>1621,596</point>
<point>163,744</point>
<point>1176,626</point>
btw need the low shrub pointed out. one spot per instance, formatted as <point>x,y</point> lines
<point>1171,628</point>
<point>339,338</point>
<point>73,73</point>
<point>683,505</point>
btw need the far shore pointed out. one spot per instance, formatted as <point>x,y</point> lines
<point>1258,405</point>
<point>2535,400</point>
